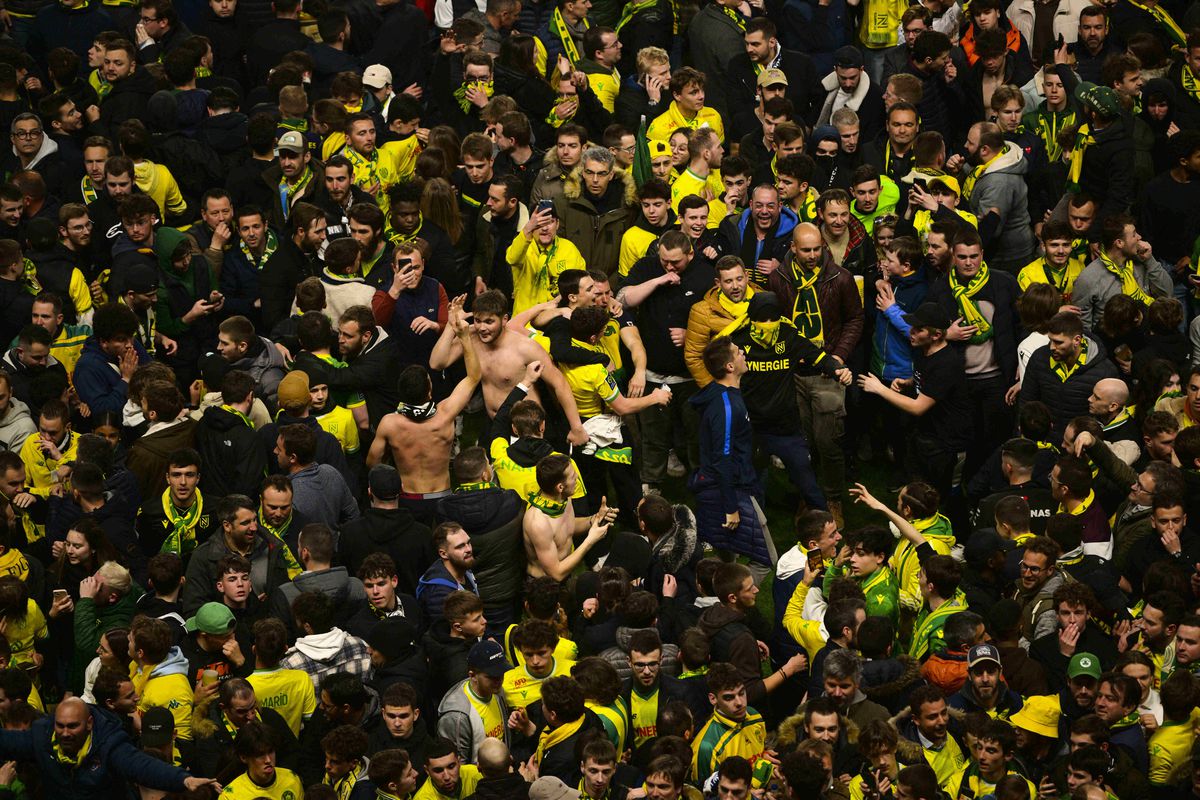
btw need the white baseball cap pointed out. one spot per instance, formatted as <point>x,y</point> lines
<point>377,76</point>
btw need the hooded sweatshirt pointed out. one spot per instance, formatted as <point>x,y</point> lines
<point>321,654</point>
<point>15,425</point>
<point>166,684</point>
<point>1001,184</point>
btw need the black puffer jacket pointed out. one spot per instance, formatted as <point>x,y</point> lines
<point>1069,398</point>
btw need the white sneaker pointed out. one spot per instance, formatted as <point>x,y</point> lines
<point>675,467</point>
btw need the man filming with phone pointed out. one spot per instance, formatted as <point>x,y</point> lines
<point>414,308</point>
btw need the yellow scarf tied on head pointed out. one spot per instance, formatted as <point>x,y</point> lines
<point>967,306</point>
<point>555,736</point>
<point>1129,284</point>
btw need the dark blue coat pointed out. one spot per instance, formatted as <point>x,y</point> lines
<point>104,772</point>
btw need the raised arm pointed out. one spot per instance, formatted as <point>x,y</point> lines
<point>633,296</point>
<point>861,495</point>
<point>447,350</point>
<point>562,390</point>
<point>458,399</point>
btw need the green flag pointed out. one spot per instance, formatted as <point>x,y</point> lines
<point>641,156</point>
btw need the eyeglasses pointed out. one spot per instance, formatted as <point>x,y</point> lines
<point>86,226</point>
<point>591,173</point>
<point>646,666</point>
<point>146,19</point>
<point>1030,568</point>
<point>33,134</point>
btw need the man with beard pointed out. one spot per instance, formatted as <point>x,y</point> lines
<point>985,689</point>
<point>292,262</point>
<point>765,244</point>
<point>503,358</point>
<point>239,277</point>
<point>717,310</point>
<point>1094,45</point>
<point>495,229</point>
<point>929,728</point>
<point>775,354</point>
<point>139,294</point>
<point>408,223</point>
<point>117,185</point>
<point>1161,616</point>
<point>420,434</point>
<point>373,173</point>
<point>994,186</point>
<point>96,150</point>
<point>294,180</point>
<point>75,237</point>
<point>702,175</point>
<point>367,228</point>
<point>473,713</point>
<point>341,194</point>
<point>825,309</point>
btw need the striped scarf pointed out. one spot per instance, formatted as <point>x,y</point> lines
<point>1083,140</point>
<point>1125,273</point>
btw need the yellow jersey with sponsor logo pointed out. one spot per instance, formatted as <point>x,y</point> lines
<point>522,689</point>
<point>286,786</point>
<point>288,692</point>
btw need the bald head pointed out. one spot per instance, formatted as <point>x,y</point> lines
<point>807,246</point>
<point>72,724</point>
<point>1108,399</point>
<point>493,758</point>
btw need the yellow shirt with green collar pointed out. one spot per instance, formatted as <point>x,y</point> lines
<point>1038,271</point>
<point>13,562</point>
<point>468,779</point>
<point>39,470</point>
<point>68,344</point>
<point>690,183</point>
<point>1171,751</point>
<point>980,787</point>
<point>289,692</point>
<point>339,423</point>
<point>522,689</point>
<point>615,718</point>
<point>673,118</point>
<point>536,270</point>
<point>722,737</point>
<point>907,567</point>
<point>286,786</point>
<point>592,385</point>
<point>490,712</point>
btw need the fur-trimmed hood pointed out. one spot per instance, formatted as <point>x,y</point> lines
<point>676,548</point>
<point>889,677</point>
<point>909,750</point>
<point>573,184</point>
<point>791,732</point>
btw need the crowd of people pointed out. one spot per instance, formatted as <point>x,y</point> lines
<point>394,390</point>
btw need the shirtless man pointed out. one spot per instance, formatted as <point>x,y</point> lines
<point>503,355</point>
<point>550,523</point>
<point>420,433</point>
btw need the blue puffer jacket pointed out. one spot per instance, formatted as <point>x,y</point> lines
<point>112,762</point>
<point>892,354</point>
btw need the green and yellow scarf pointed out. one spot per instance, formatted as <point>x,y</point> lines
<point>1083,140</point>
<point>1125,273</point>
<point>552,737</point>
<point>558,26</point>
<point>1190,83</point>
<point>460,94</point>
<point>1062,370</point>
<point>182,539</point>
<point>75,760</point>
<point>967,306</point>
<point>1166,22</point>
<point>268,251</point>
<point>736,16</point>
<point>806,310</point>
<point>969,182</point>
<point>551,508</point>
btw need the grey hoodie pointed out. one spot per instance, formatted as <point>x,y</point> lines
<point>459,722</point>
<point>267,368</point>
<point>49,147</point>
<point>1003,186</point>
<point>16,425</point>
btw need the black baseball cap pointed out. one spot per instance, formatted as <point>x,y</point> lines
<point>929,315</point>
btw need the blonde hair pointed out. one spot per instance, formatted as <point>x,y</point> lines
<point>1006,93</point>
<point>649,57</point>
<point>115,577</point>
<point>293,101</point>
